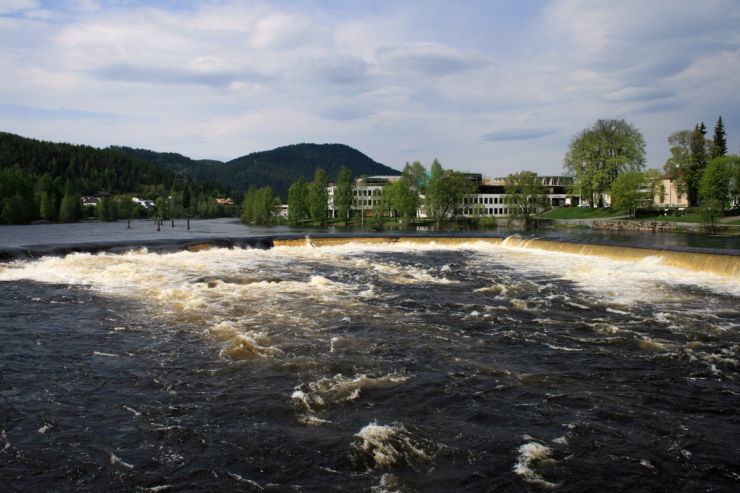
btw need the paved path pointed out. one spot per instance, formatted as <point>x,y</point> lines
<point>729,219</point>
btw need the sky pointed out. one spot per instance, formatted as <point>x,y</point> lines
<point>484,86</point>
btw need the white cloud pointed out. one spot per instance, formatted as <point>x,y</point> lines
<point>398,80</point>
<point>16,6</point>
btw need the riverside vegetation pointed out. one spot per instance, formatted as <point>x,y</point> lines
<point>45,181</point>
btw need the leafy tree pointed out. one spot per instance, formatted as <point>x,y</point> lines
<point>298,202</point>
<point>697,163</point>
<point>343,194</point>
<point>70,210</point>
<point>630,190</point>
<point>318,197</point>
<point>597,155</point>
<point>525,194</point>
<point>403,194</point>
<point>264,204</point>
<point>48,206</point>
<point>717,182</point>
<point>710,211</point>
<point>107,209</point>
<point>160,207</point>
<point>445,193</point>
<point>248,205</point>
<point>719,142</point>
<point>679,164</point>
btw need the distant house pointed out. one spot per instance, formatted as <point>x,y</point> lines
<point>667,194</point>
<point>146,204</point>
<point>224,201</point>
<point>90,201</point>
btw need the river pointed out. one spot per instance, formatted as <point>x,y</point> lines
<point>404,366</point>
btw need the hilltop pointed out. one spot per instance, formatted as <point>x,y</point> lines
<point>277,168</point>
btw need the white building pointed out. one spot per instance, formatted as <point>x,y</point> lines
<point>489,200</point>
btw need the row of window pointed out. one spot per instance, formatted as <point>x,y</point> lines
<point>485,200</point>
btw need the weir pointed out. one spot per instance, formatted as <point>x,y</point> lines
<point>724,265</point>
<point>727,265</point>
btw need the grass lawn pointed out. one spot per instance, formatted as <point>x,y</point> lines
<point>688,218</point>
<point>578,213</point>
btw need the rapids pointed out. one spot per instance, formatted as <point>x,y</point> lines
<point>404,365</point>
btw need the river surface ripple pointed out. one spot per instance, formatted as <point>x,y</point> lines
<point>391,367</point>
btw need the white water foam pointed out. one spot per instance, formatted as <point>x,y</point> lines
<point>530,454</point>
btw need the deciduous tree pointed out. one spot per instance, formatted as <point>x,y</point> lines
<point>298,202</point>
<point>445,193</point>
<point>525,194</point>
<point>598,154</point>
<point>318,196</point>
<point>631,190</point>
<point>343,195</point>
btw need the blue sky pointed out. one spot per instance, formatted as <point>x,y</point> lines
<point>487,86</point>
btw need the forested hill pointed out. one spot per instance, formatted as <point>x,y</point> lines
<point>280,167</point>
<point>87,170</point>
<point>277,168</point>
<point>171,160</point>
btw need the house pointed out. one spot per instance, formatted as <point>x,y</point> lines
<point>146,204</point>
<point>667,194</point>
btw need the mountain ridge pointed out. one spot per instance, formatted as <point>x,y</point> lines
<point>277,168</point>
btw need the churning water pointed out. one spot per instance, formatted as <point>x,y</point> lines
<point>405,366</point>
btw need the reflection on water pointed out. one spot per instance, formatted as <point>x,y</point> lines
<point>401,366</point>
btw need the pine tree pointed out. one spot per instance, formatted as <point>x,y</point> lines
<point>719,143</point>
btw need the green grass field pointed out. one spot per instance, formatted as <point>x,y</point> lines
<point>578,213</point>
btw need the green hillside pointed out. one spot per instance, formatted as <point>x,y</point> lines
<point>46,180</point>
<point>87,170</point>
<point>277,168</point>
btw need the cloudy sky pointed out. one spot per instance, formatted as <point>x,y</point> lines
<point>488,86</point>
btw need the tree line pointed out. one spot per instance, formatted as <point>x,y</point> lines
<point>440,192</point>
<point>47,181</point>
<point>609,157</point>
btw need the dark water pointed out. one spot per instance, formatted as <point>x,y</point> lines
<point>359,368</point>
<point>46,238</point>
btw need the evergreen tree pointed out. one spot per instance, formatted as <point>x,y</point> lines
<point>719,143</point>
<point>343,195</point>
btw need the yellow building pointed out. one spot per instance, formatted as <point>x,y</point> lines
<point>667,194</point>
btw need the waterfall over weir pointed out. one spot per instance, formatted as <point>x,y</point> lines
<point>724,265</point>
<point>717,263</point>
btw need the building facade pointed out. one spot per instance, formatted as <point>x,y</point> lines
<point>489,200</point>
